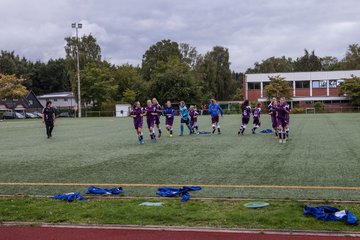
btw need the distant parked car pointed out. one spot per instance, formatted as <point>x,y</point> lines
<point>37,114</point>
<point>19,115</point>
<point>65,114</point>
<point>8,115</point>
<point>30,115</point>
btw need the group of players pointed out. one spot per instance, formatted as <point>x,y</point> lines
<point>279,113</point>
<point>188,118</point>
<point>280,117</point>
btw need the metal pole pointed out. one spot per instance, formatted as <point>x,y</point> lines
<point>78,72</point>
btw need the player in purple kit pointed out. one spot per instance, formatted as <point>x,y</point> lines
<point>157,117</point>
<point>169,118</point>
<point>150,112</point>
<point>256,114</point>
<point>137,114</point>
<point>287,119</point>
<point>281,119</point>
<point>193,119</point>
<point>272,113</point>
<point>245,112</point>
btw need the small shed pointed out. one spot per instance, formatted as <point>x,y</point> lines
<point>122,110</point>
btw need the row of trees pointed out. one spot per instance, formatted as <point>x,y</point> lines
<point>169,71</point>
<point>309,62</point>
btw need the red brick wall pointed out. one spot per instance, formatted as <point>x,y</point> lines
<point>302,92</point>
<point>317,92</point>
<point>253,95</point>
<point>334,92</point>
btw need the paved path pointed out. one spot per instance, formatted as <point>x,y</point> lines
<point>67,232</point>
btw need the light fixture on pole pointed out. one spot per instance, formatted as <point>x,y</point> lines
<point>77,26</point>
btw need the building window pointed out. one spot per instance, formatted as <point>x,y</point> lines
<point>15,100</point>
<point>338,82</point>
<point>296,104</point>
<point>4,99</point>
<point>30,102</point>
<point>65,99</point>
<point>252,85</point>
<point>302,84</point>
<point>265,84</point>
<point>55,99</point>
<point>319,84</point>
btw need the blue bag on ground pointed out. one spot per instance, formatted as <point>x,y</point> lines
<point>96,190</point>
<point>327,213</point>
<point>173,192</point>
<point>70,197</point>
<point>266,131</point>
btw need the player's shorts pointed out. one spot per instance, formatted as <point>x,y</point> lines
<point>256,121</point>
<point>138,124</point>
<point>193,123</point>
<point>274,121</point>
<point>150,123</point>
<point>185,121</point>
<point>169,121</point>
<point>215,119</point>
<point>245,121</point>
<point>281,122</point>
<point>157,120</point>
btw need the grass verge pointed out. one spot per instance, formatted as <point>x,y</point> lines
<point>200,213</point>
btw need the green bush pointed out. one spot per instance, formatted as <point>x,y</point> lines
<point>319,106</point>
<point>297,110</point>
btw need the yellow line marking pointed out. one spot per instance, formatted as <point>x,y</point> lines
<point>175,185</point>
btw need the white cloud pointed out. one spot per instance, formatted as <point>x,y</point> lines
<point>252,30</point>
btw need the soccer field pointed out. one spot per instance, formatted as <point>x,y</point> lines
<point>321,159</point>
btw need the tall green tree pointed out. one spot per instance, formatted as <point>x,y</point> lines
<point>215,76</point>
<point>173,81</point>
<point>158,53</point>
<point>49,77</point>
<point>273,65</point>
<point>189,55</point>
<point>308,62</point>
<point>351,87</point>
<point>89,50</point>
<point>330,63</point>
<point>352,57</point>
<point>278,87</point>
<point>128,77</point>
<point>12,86</point>
<point>97,84</point>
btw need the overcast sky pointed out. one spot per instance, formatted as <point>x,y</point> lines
<point>251,30</point>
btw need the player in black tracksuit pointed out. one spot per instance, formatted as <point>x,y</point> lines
<point>49,118</point>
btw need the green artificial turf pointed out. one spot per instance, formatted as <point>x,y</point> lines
<point>323,151</point>
<point>227,214</point>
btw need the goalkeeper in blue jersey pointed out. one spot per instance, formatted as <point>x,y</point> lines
<point>185,118</point>
<point>214,110</point>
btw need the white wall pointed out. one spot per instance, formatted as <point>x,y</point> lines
<point>125,108</point>
<point>59,103</point>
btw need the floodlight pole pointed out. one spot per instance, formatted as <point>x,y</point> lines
<point>77,26</point>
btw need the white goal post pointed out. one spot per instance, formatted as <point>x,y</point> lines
<point>310,110</point>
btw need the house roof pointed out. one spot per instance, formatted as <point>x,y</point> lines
<point>303,76</point>
<point>57,95</point>
<point>10,104</point>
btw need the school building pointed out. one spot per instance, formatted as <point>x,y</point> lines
<point>306,87</point>
<point>59,100</point>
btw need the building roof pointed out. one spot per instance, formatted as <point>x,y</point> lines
<point>302,76</point>
<point>57,95</point>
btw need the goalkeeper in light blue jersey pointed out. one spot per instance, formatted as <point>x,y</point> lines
<point>185,118</point>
